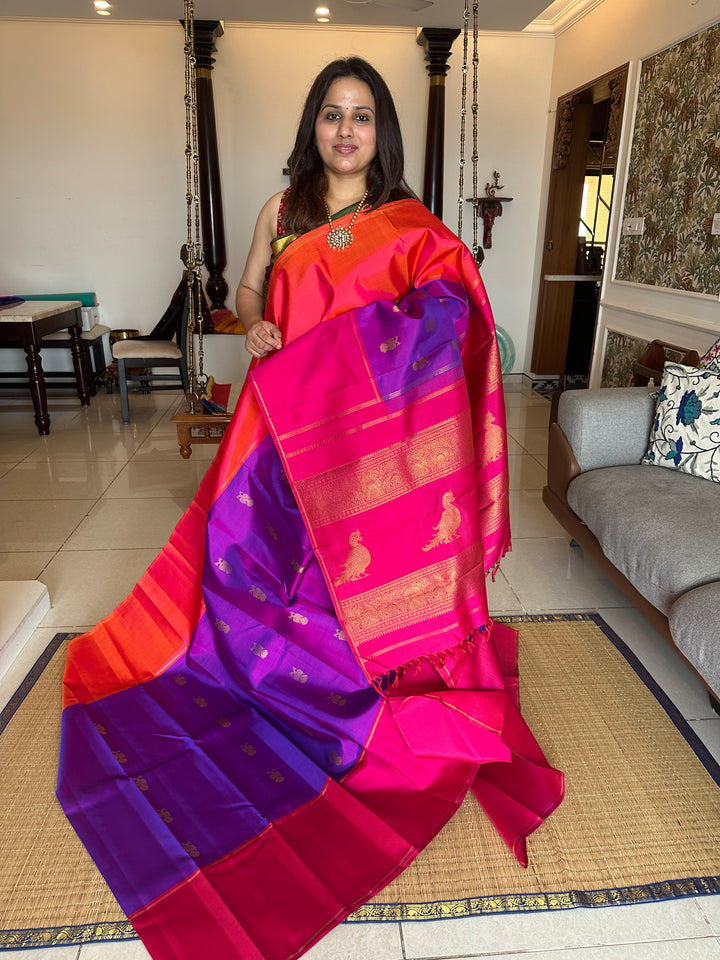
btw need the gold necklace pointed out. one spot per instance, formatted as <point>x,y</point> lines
<point>340,238</point>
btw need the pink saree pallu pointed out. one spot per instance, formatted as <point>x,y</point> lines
<point>302,688</point>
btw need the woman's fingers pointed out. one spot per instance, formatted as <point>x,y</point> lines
<point>262,338</point>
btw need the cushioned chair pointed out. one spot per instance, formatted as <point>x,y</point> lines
<point>144,355</point>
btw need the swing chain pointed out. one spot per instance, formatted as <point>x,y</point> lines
<point>193,253</point>
<point>476,251</point>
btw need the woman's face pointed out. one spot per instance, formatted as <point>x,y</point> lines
<point>345,128</point>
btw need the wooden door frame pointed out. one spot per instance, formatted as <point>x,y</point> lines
<point>552,323</point>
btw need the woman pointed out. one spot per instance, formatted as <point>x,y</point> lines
<point>304,685</point>
<point>348,151</point>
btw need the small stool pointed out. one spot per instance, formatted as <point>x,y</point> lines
<point>93,340</point>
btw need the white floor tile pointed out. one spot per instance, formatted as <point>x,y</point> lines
<point>14,449</point>
<point>177,479</point>
<point>45,953</point>
<point>127,524</point>
<point>531,439</point>
<point>115,950</point>
<point>514,447</point>
<point>710,908</point>
<point>705,948</point>
<point>508,933</point>
<point>164,446</point>
<point>550,576</point>
<point>58,479</point>
<point>359,941</point>
<point>529,517</point>
<point>24,566</point>
<point>663,663</point>
<point>524,398</point>
<point>88,446</point>
<point>86,585</point>
<point>709,733</point>
<point>526,473</point>
<point>528,415</point>
<point>501,597</point>
<point>39,525</point>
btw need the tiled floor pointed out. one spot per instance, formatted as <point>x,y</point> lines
<point>86,509</point>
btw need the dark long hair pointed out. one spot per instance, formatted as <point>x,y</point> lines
<point>304,208</point>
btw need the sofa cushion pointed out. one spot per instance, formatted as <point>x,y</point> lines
<point>660,528</point>
<point>606,427</point>
<point>685,434</point>
<point>694,619</point>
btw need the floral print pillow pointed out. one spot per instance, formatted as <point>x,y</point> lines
<point>711,360</point>
<point>685,434</point>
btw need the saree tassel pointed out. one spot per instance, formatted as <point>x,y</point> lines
<point>391,679</point>
<point>493,571</point>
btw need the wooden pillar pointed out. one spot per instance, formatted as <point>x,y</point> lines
<point>436,41</point>
<point>211,207</point>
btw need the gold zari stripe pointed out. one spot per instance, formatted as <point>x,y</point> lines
<point>380,477</point>
<point>421,595</point>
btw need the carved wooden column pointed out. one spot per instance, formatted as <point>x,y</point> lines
<point>211,207</point>
<point>436,41</point>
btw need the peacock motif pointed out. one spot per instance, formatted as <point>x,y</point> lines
<point>493,440</point>
<point>358,560</point>
<point>447,528</point>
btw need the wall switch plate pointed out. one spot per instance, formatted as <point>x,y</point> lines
<point>633,226</point>
<point>716,225</point>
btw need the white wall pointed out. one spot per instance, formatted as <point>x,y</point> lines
<point>260,80</point>
<point>514,75</point>
<point>93,168</point>
<point>93,150</point>
<point>617,31</point>
<point>613,33</point>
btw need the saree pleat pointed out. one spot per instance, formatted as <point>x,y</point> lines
<point>302,688</point>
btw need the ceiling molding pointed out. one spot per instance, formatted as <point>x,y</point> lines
<point>561,15</point>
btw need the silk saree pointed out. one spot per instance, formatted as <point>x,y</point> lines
<point>304,685</point>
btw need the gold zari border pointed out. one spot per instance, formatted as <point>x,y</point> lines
<point>386,474</point>
<point>534,902</point>
<point>421,595</point>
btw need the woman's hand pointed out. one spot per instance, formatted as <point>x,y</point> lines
<point>262,338</point>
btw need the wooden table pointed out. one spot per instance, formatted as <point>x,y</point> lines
<point>27,323</point>
<point>199,428</point>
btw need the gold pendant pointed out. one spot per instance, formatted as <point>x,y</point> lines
<point>339,238</point>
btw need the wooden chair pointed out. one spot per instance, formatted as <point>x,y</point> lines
<point>651,364</point>
<point>144,355</point>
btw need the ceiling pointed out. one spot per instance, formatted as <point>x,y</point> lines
<point>502,15</point>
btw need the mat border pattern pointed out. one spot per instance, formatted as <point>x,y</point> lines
<point>567,900</point>
<point>435,910</point>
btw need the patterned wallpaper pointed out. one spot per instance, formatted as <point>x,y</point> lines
<point>621,352</point>
<point>674,173</point>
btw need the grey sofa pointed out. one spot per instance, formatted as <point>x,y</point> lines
<point>655,532</point>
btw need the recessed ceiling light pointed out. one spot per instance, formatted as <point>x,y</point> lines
<point>102,4</point>
<point>322,11</point>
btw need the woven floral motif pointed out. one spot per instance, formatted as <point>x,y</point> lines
<point>711,360</point>
<point>685,434</point>
<point>674,174</point>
